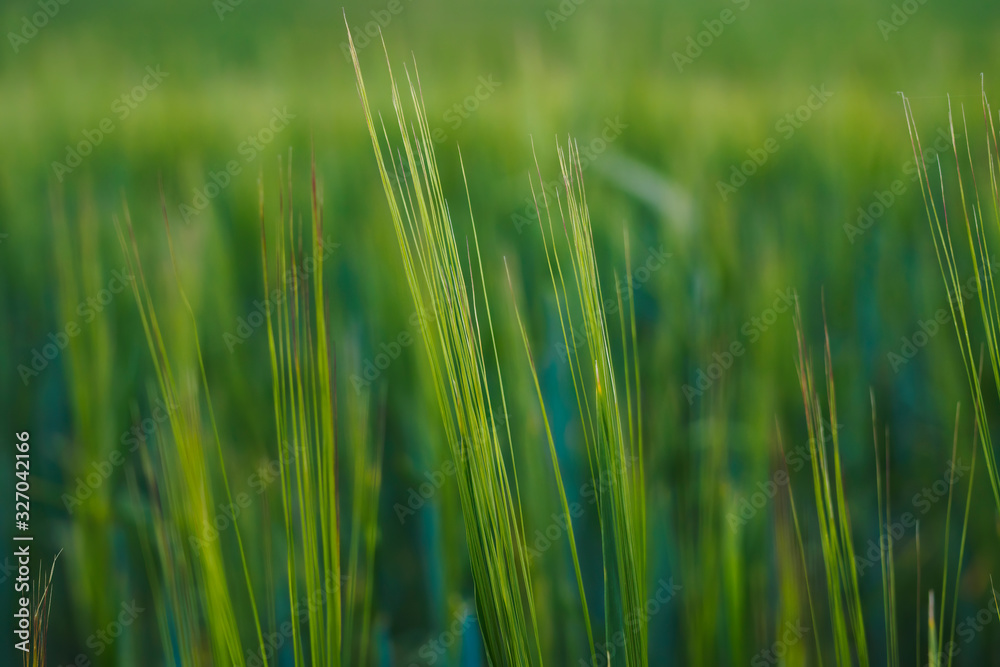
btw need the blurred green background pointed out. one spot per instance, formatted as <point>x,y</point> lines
<point>239,83</point>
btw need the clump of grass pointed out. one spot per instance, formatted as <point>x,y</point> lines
<point>844,595</point>
<point>935,640</point>
<point>186,476</point>
<point>463,374</point>
<point>611,416</point>
<point>366,483</point>
<point>79,272</point>
<point>972,226</point>
<point>303,365</point>
<point>41,604</point>
<point>199,610</point>
<point>171,567</point>
<point>850,643</point>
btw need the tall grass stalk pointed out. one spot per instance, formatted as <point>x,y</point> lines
<point>843,593</point>
<point>186,472</point>
<point>41,606</point>
<point>972,226</point>
<point>464,377</point>
<point>461,376</point>
<point>886,560</point>
<point>936,645</point>
<point>198,604</point>
<point>611,416</point>
<point>850,643</point>
<point>80,274</point>
<point>303,365</point>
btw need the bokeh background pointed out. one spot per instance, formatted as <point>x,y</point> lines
<point>676,115</point>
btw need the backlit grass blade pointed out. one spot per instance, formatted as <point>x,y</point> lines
<point>189,495</point>
<point>843,592</point>
<point>973,229</point>
<point>612,433</point>
<point>461,376</point>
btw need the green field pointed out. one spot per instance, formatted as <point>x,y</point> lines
<point>755,154</point>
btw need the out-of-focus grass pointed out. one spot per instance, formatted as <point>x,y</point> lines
<point>783,230</point>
